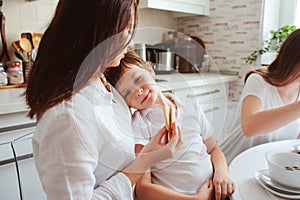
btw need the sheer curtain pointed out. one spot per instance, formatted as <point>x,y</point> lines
<point>297,16</point>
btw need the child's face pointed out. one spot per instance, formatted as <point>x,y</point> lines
<point>138,88</point>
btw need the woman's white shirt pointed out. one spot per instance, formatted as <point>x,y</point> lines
<point>236,142</point>
<point>81,145</point>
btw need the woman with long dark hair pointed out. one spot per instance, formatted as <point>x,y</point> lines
<point>83,145</point>
<point>269,107</point>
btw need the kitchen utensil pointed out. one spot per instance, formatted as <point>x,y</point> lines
<point>4,56</point>
<point>36,38</point>
<point>19,56</point>
<point>18,50</point>
<point>29,37</point>
<point>26,46</point>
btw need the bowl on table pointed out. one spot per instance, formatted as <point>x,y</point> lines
<point>284,168</point>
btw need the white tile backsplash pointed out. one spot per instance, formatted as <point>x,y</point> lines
<point>26,16</point>
<point>34,16</point>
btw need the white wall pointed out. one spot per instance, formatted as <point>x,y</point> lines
<point>152,24</point>
<point>24,16</point>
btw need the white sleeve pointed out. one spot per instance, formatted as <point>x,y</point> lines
<point>255,85</point>
<point>66,166</point>
<point>140,129</point>
<point>206,128</point>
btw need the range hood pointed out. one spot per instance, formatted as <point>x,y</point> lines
<point>181,8</point>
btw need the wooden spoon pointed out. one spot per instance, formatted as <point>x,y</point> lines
<point>17,48</point>
<point>26,46</point>
<point>36,38</point>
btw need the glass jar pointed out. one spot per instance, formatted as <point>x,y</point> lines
<point>14,73</point>
<point>3,76</point>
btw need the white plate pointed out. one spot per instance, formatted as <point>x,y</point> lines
<point>265,176</point>
<point>286,194</point>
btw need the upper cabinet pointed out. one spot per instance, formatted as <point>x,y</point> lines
<point>181,8</point>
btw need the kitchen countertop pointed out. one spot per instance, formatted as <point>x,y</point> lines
<point>12,102</point>
<point>186,80</point>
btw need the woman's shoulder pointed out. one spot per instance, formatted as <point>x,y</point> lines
<point>255,76</point>
<point>256,79</point>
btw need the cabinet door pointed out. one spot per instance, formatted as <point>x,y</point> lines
<point>220,115</point>
<point>9,188</point>
<point>29,179</point>
<point>208,93</point>
<point>17,169</point>
<point>213,100</point>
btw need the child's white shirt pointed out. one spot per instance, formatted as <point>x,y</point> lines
<point>191,166</point>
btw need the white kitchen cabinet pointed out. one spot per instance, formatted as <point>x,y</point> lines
<point>181,8</point>
<point>17,169</point>
<point>213,99</point>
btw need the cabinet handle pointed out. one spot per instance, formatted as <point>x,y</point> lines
<point>202,94</point>
<point>12,160</point>
<point>211,110</point>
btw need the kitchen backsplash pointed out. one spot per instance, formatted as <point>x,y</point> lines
<point>231,32</point>
<point>34,16</point>
<point>23,16</point>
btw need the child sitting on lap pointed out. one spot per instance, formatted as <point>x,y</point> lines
<point>198,162</point>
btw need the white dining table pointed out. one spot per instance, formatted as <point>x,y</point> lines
<point>243,167</point>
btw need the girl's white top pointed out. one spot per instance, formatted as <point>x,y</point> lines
<point>236,142</point>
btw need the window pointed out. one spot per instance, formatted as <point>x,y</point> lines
<point>297,16</point>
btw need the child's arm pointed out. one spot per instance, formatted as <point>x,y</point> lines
<point>223,185</point>
<point>146,190</point>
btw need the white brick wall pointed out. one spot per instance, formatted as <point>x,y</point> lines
<point>231,33</point>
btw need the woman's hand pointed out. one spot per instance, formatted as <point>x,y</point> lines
<point>223,185</point>
<point>156,151</point>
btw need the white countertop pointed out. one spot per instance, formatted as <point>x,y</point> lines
<point>186,80</point>
<point>12,102</point>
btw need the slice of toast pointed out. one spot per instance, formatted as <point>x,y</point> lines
<point>170,116</point>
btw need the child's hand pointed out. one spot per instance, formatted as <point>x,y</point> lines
<point>206,192</point>
<point>223,185</point>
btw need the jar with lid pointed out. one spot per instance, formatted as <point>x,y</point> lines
<point>3,76</point>
<point>14,73</point>
<point>206,63</point>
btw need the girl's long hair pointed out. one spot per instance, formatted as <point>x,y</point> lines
<point>286,66</point>
<point>77,28</point>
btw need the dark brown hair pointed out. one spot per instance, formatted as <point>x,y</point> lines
<point>286,66</point>
<point>61,68</point>
<point>113,74</point>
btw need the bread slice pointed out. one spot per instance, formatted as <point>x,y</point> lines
<point>170,116</point>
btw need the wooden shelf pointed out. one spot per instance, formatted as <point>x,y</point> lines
<point>13,86</point>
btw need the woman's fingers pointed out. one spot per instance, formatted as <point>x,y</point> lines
<point>158,137</point>
<point>175,140</point>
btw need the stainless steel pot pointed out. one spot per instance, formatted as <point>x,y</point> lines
<point>140,49</point>
<point>162,58</point>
